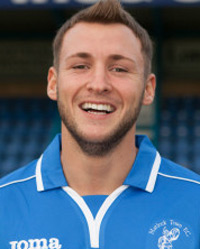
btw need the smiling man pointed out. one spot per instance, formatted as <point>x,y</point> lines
<point>98,185</point>
<point>100,87</point>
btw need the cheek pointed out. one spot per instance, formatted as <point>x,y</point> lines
<point>71,82</point>
<point>69,94</point>
<point>130,94</point>
<point>66,87</point>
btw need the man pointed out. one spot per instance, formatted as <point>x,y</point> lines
<point>98,185</point>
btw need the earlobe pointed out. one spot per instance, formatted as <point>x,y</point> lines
<point>149,91</point>
<point>52,84</point>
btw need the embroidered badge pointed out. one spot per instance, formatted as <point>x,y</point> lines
<point>165,241</point>
<point>169,234</point>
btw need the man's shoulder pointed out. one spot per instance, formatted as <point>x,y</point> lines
<point>21,175</point>
<point>175,172</point>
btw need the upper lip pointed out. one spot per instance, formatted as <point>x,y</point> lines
<point>99,106</point>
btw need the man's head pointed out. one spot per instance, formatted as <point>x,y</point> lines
<point>106,12</point>
<point>100,80</point>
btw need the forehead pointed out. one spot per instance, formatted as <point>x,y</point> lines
<point>101,39</point>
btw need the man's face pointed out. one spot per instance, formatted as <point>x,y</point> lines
<point>100,85</point>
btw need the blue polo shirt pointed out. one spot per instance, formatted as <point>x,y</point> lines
<point>158,206</point>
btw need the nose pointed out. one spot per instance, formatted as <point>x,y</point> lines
<point>99,81</point>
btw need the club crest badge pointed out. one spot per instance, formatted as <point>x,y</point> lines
<point>169,234</point>
<point>165,241</point>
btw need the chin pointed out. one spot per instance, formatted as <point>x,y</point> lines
<point>94,138</point>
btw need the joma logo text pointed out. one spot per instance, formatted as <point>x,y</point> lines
<point>52,243</point>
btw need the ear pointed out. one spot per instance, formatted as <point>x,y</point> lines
<point>52,83</point>
<point>149,91</point>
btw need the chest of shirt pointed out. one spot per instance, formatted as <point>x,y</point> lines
<point>131,221</point>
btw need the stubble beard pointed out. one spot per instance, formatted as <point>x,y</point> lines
<point>99,148</point>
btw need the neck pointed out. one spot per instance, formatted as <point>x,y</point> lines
<point>89,175</point>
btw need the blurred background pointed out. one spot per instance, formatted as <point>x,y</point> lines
<point>29,120</point>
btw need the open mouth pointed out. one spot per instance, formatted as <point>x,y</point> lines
<point>101,109</point>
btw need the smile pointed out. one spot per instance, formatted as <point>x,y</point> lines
<point>101,109</point>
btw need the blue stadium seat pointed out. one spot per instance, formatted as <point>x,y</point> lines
<point>179,133</point>
<point>25,130</point>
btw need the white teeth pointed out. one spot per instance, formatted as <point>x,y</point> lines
<point>97,107</point>
<point>97,113</point>
<point>94,107</point>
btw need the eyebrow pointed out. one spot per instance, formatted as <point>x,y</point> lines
<point>80,55</point>
<point>115,57</point>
